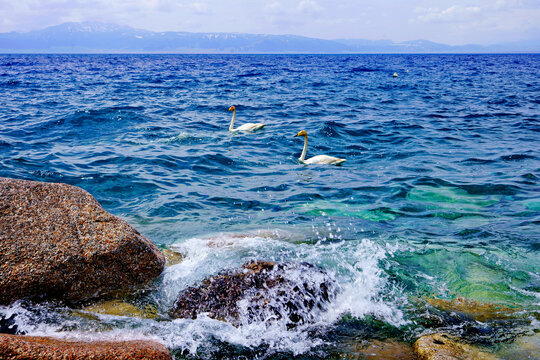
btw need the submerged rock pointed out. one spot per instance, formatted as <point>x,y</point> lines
<point>57,242</point>
<point>172,257</point>
<point>444,347</point>
<point>477,310</point>
<point>122,308</point>
<point>18,347</point>
<point>526,347</point>
<point>378,350</point>
<point>260,291</point>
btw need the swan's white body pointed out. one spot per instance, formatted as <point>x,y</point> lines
<point>323,159</point>
<point>319,159</point>
<point>245,127</point>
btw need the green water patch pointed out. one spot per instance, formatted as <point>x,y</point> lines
<point>450,198</point>
<point>466,273</point>
<point>367,212</point>
<point>483,294</point>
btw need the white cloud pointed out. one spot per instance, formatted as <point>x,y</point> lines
<point>200,8</point>
<point>309,6</point>
<point>304,7</point>
<point>274,8</point>
<point>455,13</point>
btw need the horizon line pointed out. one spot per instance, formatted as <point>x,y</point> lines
<point>274,53</point>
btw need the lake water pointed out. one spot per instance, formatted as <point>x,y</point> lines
<point>438,199</point>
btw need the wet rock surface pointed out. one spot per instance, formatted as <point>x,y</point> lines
<point>445,347</point>
<point>172,257</point>
<point>526,347</point>
<point>121,308</point>
<point>477,310</point>
<point>18,347</point>
<point>57,242</point>
<point>378,350</point>
<point>260,291</point>
<point>7,324</point>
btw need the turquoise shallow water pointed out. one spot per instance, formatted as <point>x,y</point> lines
<point>439,197</point>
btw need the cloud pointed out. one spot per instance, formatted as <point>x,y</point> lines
<point>309,7</point>
<point>304,7</point>
<point>479,10</point>
<point>455,13</point>
<point>275,8</point>
<point>200,8</point>
<point>291,15</point>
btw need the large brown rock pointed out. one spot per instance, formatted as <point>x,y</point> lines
<point>57,242</point>
<point>18,347</point>
<point>260,291</point>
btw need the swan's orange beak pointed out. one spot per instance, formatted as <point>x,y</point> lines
<point>232,108</point>
<point>301,133</point>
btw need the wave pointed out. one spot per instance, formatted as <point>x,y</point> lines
<point>361,69</point>
<point>478,161</point>
<point>250,74</point>
<point>517,157</point>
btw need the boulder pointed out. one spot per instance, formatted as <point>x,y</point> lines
<point>57,242</point>
<point>18,347</point>
<point>260,291</point>
<point>445,347</point>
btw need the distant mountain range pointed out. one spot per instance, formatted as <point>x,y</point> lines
<point>92,37</point>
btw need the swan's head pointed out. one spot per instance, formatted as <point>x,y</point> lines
<point>232,108</point>
<point>301,133</point>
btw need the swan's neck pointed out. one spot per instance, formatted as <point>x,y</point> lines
<point>304,151</point>
<point>231,127</point>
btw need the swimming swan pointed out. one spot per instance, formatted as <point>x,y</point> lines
<point>245,127</point>
<point>319,159</point>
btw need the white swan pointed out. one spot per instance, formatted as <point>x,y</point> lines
<point>319,159</point>
<point>245,127</point>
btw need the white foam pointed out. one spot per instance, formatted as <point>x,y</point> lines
<point>365,294</point>
<point>355,264</point>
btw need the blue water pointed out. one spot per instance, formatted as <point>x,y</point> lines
<point>439,196</point>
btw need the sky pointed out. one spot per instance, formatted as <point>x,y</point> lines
<point>453,22</point>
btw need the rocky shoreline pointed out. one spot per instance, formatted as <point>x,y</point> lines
<point>57,243</point>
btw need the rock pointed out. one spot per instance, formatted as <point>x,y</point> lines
<point>525,347</point>
<point>378,350</point>
<point>18,347</point>
<point>260,291</point>
<point>122,308</point>
<point>477,310</point>
<point>172,257</point>
<point>8,325</point>
<point>444,347</point>
<point>57,242</point>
